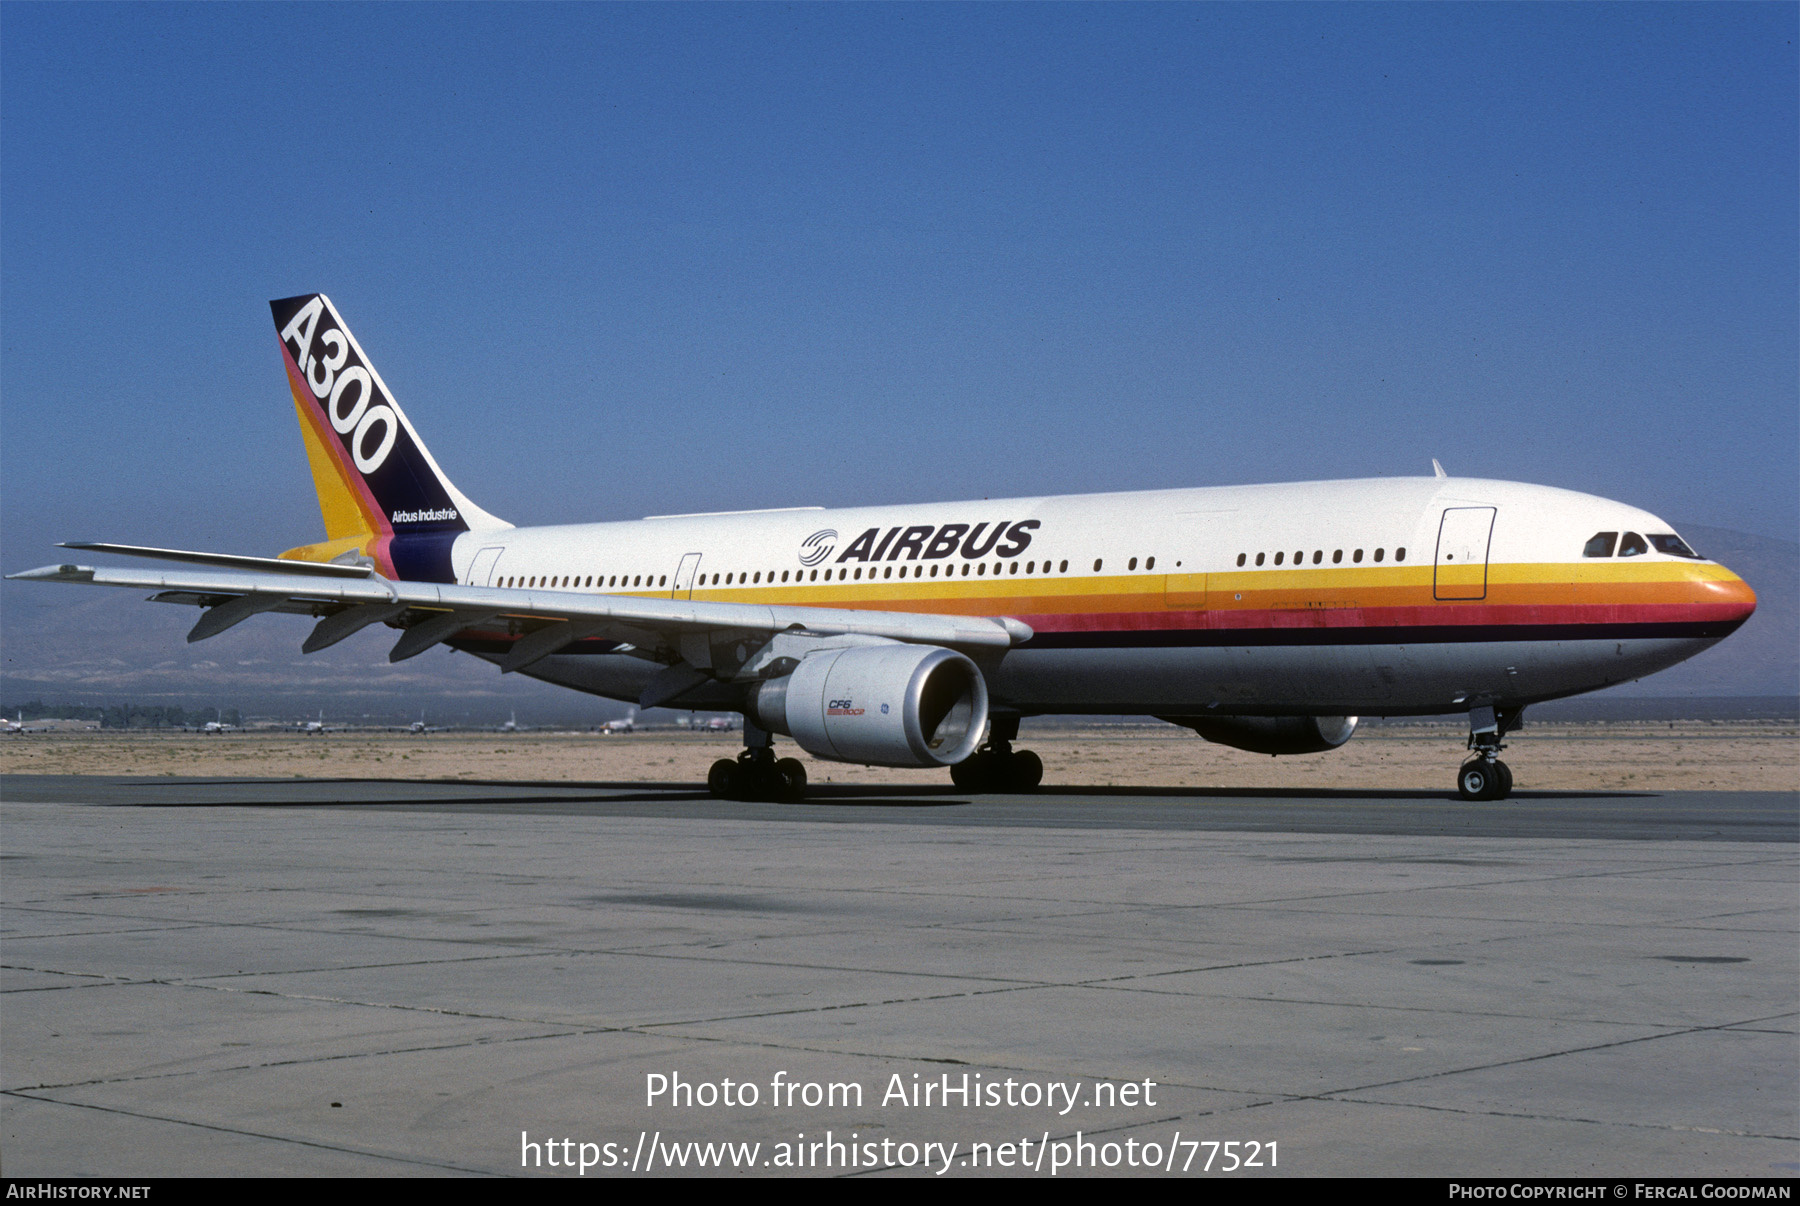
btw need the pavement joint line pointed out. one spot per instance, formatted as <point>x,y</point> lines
<point>299,1061</point>
<point>241,1131</point>
<point>1424,1009</point>
<point>1664,1033</point>
<point>1622,1122</point>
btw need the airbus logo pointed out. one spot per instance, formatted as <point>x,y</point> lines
<point>818,546</point>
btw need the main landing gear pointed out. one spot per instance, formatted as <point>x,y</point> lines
<point>756,774</point>
<point>1485,777</point>
<point>996,766</point>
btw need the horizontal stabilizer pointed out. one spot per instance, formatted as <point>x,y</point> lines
<point>268,565</point>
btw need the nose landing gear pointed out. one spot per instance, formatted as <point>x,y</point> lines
<point>1485,777</point>
<point>996,766</point>
<point>756,775</point>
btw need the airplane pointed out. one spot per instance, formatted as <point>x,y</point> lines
<point>218,726</point>
<point>626,725</point>
<point>1263,617</point>
<point>306,726</point>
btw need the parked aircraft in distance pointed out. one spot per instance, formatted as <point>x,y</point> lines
<point>1263,617</point>
<point>305,726</point>
<point>626,725</point>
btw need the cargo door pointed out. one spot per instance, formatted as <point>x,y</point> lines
<point>1462,553</point>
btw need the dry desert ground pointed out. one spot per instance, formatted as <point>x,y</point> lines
<point>1715,755</point>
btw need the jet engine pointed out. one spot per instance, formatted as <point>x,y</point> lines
<point>882,705</point>
<point>1272,734</point>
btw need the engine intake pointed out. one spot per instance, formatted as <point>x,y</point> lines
<point>1272,734</point>
<point>882,705</point>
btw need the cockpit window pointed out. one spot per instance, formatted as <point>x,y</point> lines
<point>1673,545</point>
<point>1600,544</point>
<point>1633,545</point>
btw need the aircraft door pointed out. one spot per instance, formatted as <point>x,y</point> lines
<point>684,577</point>
<point>482,568</point>
<point>1462,553</point>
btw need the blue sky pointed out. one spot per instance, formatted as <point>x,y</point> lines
<point>619,260</point>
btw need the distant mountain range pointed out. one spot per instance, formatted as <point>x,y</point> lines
<point>67,645</point>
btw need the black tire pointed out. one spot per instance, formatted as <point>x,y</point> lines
<point>971,773</point>
<point>1026,771</point>
<point>1505,780</point>
<point>792,774</point>
<point>722,779</point>
<point>1477,780</point>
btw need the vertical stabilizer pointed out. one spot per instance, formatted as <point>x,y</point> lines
<point>380,491</point>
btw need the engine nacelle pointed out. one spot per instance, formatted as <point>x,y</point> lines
<point>882,705</point>
<point>1273,734</point>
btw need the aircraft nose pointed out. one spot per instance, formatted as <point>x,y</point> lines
<point>1723,596</point>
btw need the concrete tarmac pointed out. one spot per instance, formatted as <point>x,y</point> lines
<point>358,977</point>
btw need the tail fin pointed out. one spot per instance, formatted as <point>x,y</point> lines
<point>380,491</point>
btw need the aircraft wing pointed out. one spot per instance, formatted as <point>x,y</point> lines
<point>697,639</point>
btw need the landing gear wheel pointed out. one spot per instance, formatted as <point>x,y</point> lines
<point>1505,779</point>
<point>1479,779</point>
<point>722,779</point>
<point>999,770</point>
<point>791,774</point>
<point>971,773</point>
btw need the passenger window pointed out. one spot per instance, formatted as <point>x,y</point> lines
<point>1357,556</point>
<point>1337,556</point>
<point>1132,564</point>
<point>1259,559</point>
<point>1015,567</point>
<point>1379,553</point>
<point>934,569</point>
<point>965,569</point>
<point>1673,545</point>
<point>1600,544</point>
<point>1399,554</point>
<point>1150,564</point>
<point>1278,557</point>
<point>1031,567</point>
<point>1633,545</point>
<point>1318,556</point>
<point>1241,559</point>
<point>1096,566</point>
<point>859,574</point>
<point>1063,568</point>
<point>1300,557</point>
<point>784,575</point>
